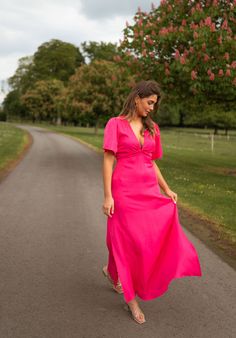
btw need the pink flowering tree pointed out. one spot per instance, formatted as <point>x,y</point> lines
<point>190,48</point>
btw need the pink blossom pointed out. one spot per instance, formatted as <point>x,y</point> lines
<point>219,40</point>
<point>152,54</point>
<point>163,31</point>
<point>215,3</point>
<point>228,72</point>
<point>226,56</point>
<point>169,8</point>
<point>212,77</point>
<point>206,58</point>
<point>224,24</point>
<point>153,33</point>
<point>233,64</point>
<point>193,25</point>
<point>221,73</point>
<point>192,10</point>
<point>184,22</point>
<point>193,75</point>
<point>213,27</point>
<point>195,35</point>
<point>198,7</point>
<point>144,52</point>
<point>208,21</point>
<point>135,34</point>
<point>209,72</point>
<point>201,24</point>
<point>181,29</point>
<point>140,22</point>
<point>182,60</point>
<point>191,49</point>
<point>141,33</point>
<point>150,41</point>
<point>186,52</point>
<point>143,45</point>
<point>177,54</point>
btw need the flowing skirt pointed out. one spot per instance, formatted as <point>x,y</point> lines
<point>146,243</point>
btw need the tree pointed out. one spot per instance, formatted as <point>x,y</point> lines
<point>44,100</point>
<point>190,47</point>
<point>56,60</point>
<point>99,51</point>
<point>98,90</point>
<point>53,60</point>
<point>13,107</point>
<point>23,77</point>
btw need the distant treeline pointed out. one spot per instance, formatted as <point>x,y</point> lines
<point>188,47</point>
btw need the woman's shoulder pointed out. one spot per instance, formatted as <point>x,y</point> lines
<point>116,119</point>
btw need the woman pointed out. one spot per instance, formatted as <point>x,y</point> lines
<point>147,246</point>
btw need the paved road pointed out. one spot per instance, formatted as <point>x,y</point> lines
<point>52,248</point>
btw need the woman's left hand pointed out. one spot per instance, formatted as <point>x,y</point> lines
<point>172,195</point>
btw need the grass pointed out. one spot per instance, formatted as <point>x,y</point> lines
<point>12,142</point>
<point>204,180</point>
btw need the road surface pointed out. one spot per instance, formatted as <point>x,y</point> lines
<point>52,247</point>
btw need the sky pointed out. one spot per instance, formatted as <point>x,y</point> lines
<point>26,24</point>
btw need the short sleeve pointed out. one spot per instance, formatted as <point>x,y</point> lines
<point>110,135</point>
<point>158,152</point>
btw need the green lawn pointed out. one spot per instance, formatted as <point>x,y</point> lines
<point>205,181</point>
<point>12,141</point>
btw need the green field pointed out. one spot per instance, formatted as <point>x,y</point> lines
<point>204,180</point>
<point>12,142</point>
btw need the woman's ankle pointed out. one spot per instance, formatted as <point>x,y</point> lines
<point>133,302</point>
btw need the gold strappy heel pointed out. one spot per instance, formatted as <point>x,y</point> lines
<point>136,314</point>
<point>118,287</point>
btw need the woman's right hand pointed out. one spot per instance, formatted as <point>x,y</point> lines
<point>108,206</point>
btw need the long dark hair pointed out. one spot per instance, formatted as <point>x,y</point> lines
<point>142,89</point>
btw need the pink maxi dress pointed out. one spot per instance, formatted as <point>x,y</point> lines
<point>146,244</point>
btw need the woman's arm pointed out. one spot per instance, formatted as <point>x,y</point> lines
<point>108,162</point>
<point>163,184</point>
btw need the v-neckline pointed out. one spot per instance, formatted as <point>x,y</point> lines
<point>140,144</point>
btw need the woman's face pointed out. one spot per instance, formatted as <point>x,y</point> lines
<point>145,105</point>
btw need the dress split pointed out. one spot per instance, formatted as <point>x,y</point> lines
<point>147,247</point>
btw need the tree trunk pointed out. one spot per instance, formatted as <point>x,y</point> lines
<point>181,118</point>
<point>58,120</point>
<point>96,127</point>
